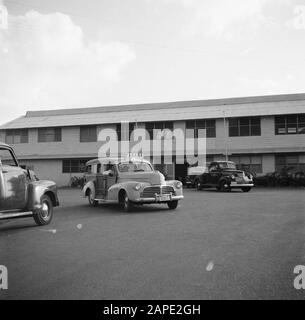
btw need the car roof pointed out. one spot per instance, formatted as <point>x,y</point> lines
<point>2,144</point>
<point>114,160</point>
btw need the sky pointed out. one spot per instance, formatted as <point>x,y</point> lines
<point>86,53</point>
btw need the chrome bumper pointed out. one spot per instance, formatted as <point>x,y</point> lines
<point>158,199</point>
<point>241,185</point>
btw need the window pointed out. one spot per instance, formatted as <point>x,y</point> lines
<point>74,165</point>
<point>7,158</point>
<point>244,127</point>
<point>196,125</point>
<point>286,161</point>
<point>290,124</point>
<point>252,163</point>
<point>17,136</point>
<point>120,129</point>
<point>49,134</point>
<point>137,166</point>
<point>88,134</point>
<point>161,125</point>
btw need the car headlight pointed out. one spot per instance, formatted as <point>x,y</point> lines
<point>137,187</point>
<point>232,177</point>
<point>178,184</point>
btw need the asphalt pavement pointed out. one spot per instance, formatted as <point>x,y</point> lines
<point>213,246</point>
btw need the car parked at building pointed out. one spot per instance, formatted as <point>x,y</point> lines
<point>22,194</point>
<point>223,175</point>
<point>129,182</point>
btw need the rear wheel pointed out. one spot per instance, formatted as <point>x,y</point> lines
<point>91,200</point>
<point>246,189</point>
<point>45,214</point>
<point>172,205</point>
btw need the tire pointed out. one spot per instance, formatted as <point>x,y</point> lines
<point>172,205</point>
<point>198,185</point>
<point>44,216</point>
<point>91,200</point>
<point>224,186</point>
<point>246,189</point>
<point>127,204</point>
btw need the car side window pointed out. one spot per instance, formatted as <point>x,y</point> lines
<point>213,168</point>
<point>6,158</point>
<point>89,169</point>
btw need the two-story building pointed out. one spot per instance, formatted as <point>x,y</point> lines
<point>262,133</point>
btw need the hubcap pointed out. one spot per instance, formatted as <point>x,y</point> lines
<point>45,210</point>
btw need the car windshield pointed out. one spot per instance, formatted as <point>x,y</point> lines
<point>227,165</point>
<point>135,166</point>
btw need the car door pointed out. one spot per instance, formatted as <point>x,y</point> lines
<point>13,182</point>
<point>214,174</point>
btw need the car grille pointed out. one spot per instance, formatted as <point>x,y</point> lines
<point>149,192</point>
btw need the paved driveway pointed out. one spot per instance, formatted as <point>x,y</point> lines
<point>214,246</point>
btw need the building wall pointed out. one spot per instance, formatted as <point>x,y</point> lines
<point>70,146</point>
<point>50,170</point>
<point>46,158</point>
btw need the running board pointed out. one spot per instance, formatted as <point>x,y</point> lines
<point>10,215</point>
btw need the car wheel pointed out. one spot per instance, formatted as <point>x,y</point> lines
<point>127,205</point>
<point>224,186</point>
<point>198,185</point>
<point>45,214</point>
<point>246,189</point>
<point>91,200</point>
<point>172,204</point>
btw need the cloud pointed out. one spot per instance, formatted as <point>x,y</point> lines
<point>298,21</point>
<point>229,18</point>
<point>46,60</point>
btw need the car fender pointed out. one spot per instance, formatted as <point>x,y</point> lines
<point>37,189</point>
<point>128,187</point>
<point>90,185</point>
<point>173,183</point>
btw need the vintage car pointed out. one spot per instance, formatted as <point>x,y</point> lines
<point>129,182</point>
<point>189,181</point>
<point>21,193</point>
<point>223,175</point>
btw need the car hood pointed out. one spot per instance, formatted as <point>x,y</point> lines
<point>154,177</point>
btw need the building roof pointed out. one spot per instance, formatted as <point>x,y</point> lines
<point>167,111</point>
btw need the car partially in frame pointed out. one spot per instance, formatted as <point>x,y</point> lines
<point>224,176</point>
<point>129,182</point>
<point>22,194</point>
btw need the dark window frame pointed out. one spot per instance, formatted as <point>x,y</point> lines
<point>88,133</point>
<point>285,124</point>
<point>245,127</point>
<point>208,124</point>
<point>74,165</point>
<point>158,125</point>
<point>248,166</point>
<point>22,134</point>
<point>42,135</point>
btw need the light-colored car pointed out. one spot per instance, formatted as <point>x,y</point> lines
<point>21,193</point>
<point>129,182</point>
